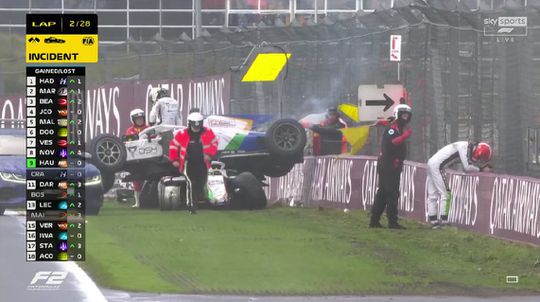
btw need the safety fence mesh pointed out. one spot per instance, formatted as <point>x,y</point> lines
<point>463,82</point>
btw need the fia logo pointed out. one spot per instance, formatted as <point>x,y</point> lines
<point>88,41</point>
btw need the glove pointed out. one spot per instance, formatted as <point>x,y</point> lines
<point>382,123</point>
<point>176,164</point>
<point>486,168</point>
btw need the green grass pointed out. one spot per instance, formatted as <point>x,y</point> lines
<point>297,251</point>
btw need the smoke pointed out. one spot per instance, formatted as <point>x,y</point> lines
<point>313,105</point>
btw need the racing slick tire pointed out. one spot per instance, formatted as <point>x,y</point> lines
<point>286,137</point>
<point>108,153</point>
<point>171,193</point>
<point>248,192</point>
<point>94,210</point>
<point>107,181</point>
<point>149,195</point>
<point>277,168</point>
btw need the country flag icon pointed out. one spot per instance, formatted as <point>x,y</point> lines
<point>63,236</point>
<point>62,205</point>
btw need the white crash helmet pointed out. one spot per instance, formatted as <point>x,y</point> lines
<point>136,113</point>
<point>401,108</point>
<point>195,119</point>
<point>157,93</point>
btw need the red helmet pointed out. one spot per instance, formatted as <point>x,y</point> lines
<point>482,153</point>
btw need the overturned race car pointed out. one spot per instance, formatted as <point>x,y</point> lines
<point>246,155</point>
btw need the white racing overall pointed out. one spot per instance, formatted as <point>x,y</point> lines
<point>165,112</point>
<point>437,184</point>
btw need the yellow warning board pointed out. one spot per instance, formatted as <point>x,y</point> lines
<point>61,48</point>
<point>266,67</point>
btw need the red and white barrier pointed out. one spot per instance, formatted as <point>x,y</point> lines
<point>501,205</point>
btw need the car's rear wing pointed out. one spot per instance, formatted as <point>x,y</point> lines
<point>12,123</point>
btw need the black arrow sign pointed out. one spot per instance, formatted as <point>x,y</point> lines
<point>387,102</point>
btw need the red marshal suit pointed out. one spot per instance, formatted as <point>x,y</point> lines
<point>193,151</point>
<point>179,146</point>
<point>135,130</point>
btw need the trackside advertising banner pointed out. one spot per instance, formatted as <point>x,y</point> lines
<point>108,105</point>
<point>500,205</point>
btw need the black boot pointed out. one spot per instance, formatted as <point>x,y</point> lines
<point>192,208</point>
<point>375,225</point>
<point>396,226</point>
<point>374,222</point>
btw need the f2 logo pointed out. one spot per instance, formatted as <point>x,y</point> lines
<point>52,278</point>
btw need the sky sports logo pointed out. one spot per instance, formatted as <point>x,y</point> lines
<point>505,26</point>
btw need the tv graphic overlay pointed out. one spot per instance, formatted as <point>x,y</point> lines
<point>514,26</point>
<point>61,38</point>
<point>55,147</point>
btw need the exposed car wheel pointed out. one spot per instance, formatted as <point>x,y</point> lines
<point>285,137</point>
<point>164,202</point>
<point>247,192</point>
<point>149,195</point>
<point>277,168</point>
<point>171,196</point>
<point>107,181</point>
<point>2,210</point>
<point>94,211</point>
<point>108,153</point>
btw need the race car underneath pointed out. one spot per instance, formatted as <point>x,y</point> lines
<point>145,157</point>
<point>242,191</point>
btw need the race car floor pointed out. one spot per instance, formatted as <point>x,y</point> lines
<point>16,276</point>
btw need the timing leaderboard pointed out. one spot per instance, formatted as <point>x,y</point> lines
<point>55,174</point>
